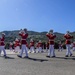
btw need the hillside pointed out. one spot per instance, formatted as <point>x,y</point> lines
<point>11,35</point>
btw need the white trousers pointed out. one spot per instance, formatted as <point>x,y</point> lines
<point>51,51</point>
<point>73,48</point>
<point>2,48</point>
<point>46,49</point>
<point>11,49</point>
<point>60,49</point>
<point>24,49</point>
<point>32,49</point>
<point>17,49</point>
<point>40,49</point>
<point>68,49</point>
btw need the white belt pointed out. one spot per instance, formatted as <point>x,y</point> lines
<point>68,39</point>
<point>1,41</point>
<point>23,39</point>
<point>51,40</point>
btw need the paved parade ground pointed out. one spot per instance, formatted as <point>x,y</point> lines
<point>37,64</point>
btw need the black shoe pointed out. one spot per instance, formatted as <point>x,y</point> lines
<point>48,56</point>
<point>19,56</point>
<point>70,55</point>
<point>34,51</point>
<point>26,57</point>
<point>53,56</point>
<point>4,55</point>
<point>66,56</point>
<point>42,51</point>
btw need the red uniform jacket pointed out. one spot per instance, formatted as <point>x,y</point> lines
<point>47,45</point>
<point>17,43</point>
<point>36,45</point>
<point>73,44</point>
<point>68,37</point>
<point>10,45</point>
<point>60,45</point>
<point>2,41</point>
<point>27,46</point>
<point>40,44</point>
<point>32,43</point>
<point>51,38</point>
<point>24,37</point>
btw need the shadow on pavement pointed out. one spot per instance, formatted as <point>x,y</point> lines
<point>7,57</point>
<point>34,59</point>
<point>67,58</point>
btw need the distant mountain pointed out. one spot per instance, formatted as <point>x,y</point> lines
<point>11,35</point>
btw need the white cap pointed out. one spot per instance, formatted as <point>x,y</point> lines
<point>0,36</point>
<point>16,39</point>
<point>3,33</point>
<point>25,30</point>
<point>14,42</point>
<point>31,39</point>
<point>51,31</point>
<point>39,40</point>
<point>10,43</point>
<point>68,32</point>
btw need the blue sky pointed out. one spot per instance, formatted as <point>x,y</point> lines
<point>37,15</point>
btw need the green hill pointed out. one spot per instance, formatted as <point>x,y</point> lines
<point>11,35</point>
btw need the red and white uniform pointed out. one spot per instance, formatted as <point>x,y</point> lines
<point>27,46</point>
<point>47,46</point>
<point>51,38</point>
<point>68,38</point>
<point>17,45</point>
<point>10,46</point>
<point>51,46</point>
<point>2,41</point>
<point>24,37</point>
<point>60,46</point>
<point>23,42</point>
<point>36,45</point>
<point>40,46</point>
<point>32,46</point>
<point>2,44</point>
<point>74,46</point>
<point>31,43</point>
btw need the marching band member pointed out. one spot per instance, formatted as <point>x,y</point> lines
<point>60,46</point>
<point>2,44</point>
<point>40,46</point>
<point>24,36</point>
<point>14,46</point>
<point>27,46</point>
<point>51,37</point>
<point>47,46</point>
<point>36,45</point>
<point>10,46</point>
<point>73,46</point>
<point>17,45</point>
<point>68,43</point>
<point>32,49</point>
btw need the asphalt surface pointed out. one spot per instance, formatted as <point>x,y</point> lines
<point>37,64</point>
